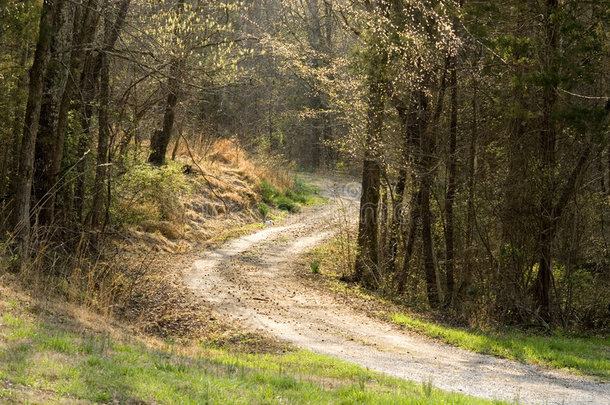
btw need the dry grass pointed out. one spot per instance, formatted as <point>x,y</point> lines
<point>133,273</point>
<point>225,190</point>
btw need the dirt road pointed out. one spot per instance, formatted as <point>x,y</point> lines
<point>252,281</point>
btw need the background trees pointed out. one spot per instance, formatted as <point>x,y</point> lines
<point>480,130</point>
<point>501,123</point>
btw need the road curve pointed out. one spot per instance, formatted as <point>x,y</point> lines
<point>252,281</point>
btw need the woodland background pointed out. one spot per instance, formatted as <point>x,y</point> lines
<point>480,130</point>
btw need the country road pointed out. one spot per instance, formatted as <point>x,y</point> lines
<point>252,281</point>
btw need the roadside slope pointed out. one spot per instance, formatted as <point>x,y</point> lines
<point>252,281</point>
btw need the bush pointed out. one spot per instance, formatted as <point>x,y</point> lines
<point>147,193</point>
<point>300,198</point>
<point>286,204</point>
<point>292,198</point>
<point>263,209</point>
<point>315,266</point>
<point>268,192</point>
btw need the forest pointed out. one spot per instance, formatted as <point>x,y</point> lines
<point>478,133</point>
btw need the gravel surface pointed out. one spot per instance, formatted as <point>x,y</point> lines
<point>252,281</point>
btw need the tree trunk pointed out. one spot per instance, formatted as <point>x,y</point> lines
<point>426,223</point>
<point>548,140</point>
<point>47,141</point>
<point>160,139</point>
<point>13,143</point>
<point>366,269</point>
<point>23,185</point>
<point>470,210</point>
<point>427,176</point>
<point>87,27</point>
<point>89,83</point>
<point>397,216</point>
<point>111,35</point>
<point>410,237</point>
<point>451,184</point>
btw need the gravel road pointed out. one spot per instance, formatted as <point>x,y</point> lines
<point>252,281</point>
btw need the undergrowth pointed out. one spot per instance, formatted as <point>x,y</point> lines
<point>128,269</point>
<point>292,198</point>
<point>588,355</point>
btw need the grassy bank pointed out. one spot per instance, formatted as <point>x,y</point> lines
<point>44,361</point>
<point>585,355</point>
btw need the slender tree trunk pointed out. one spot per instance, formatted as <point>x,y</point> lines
<point>427,176</point>
<point>110,37</point>
<point>397,216</point>
<point>548,140</point>
<point>366,269</point>
<point>11,147</point>
<point>410,237</point>
<point>89,84</point>
<point>414,126</point>
<point>23,183</point>
<point>160,139</point>
<point>426,223</point>
<point>470,210</point>
<point>451,183</point>
<point>87,27</point>
<point>315,100</point>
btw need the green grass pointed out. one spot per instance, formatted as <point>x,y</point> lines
<point>590,355</point>
<point>292,199</point>
<point>40,356</point>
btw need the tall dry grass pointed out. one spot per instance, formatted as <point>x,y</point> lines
<point>129,273</point>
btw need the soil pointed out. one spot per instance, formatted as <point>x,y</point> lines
<point>255,282</point>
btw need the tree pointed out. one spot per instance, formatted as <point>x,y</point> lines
<point>49,21</point>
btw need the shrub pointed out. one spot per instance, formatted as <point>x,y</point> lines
<point>263,209</point>
<point>315,266</point>
<point>295,196</point>
<point>286,204</point>
<point>147,193</point>
<point>268,192</point>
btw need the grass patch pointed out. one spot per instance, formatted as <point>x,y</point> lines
<point>293,198</point>
<point>38,356</point>
<point>588,355</point>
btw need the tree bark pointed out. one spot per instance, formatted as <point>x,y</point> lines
<point>47,141</point>
<point>87,27</point>
<point>23,185</point>
<point>12,145</point>
<point>160,139</point>
<point>366,268</point>
<point>89,84</point>
<point>548,140</point>
<point>427,175</point>
<point>451,184</point>
<point>470,209</point>
<point>111,35</point>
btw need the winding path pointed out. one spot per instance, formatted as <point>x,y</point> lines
<point>252,281</point>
